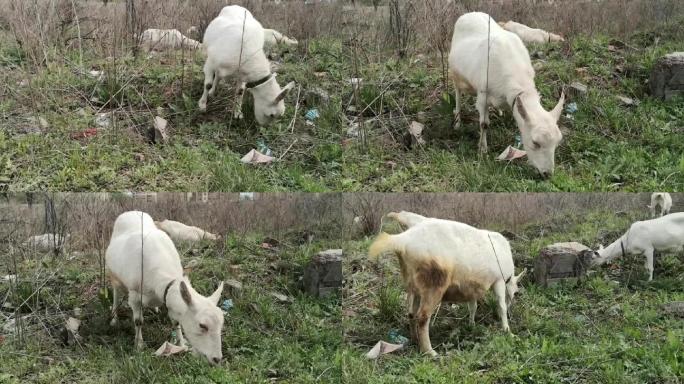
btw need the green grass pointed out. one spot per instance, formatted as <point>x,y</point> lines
<point>607,146</point>
<point>263,340</point>
<point>607,329</point>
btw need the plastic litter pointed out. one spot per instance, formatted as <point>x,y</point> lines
<point>382,348</point>
<point>312,114</point>
<point>511,153</point>
<point>256,157</point>
<point>168,349</point>
<point>571,107</point>
<point>396,338</point>
<point>261,147</point>
<point>227,305</point>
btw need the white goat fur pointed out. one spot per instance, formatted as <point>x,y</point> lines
<point>164,39</point>
<point>661,200</point>
<point>448,261</point>
<point>47,241</point>
<point>273,38</point>
<point>530,35</point>
<point>664,234</point>
<point>232,52</point>
<point>511,79</point>
<point>182,232</point>
<point>406,219</point>
<point>140,256</point>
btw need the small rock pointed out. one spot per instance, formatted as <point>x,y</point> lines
<point>316,96</point>
<point>627,101</point>
<point>667,76</point>
<point>355,82</point>
<point>233,284</point>
<point>323,276</point>
<point>538,55</point>
<point>47,360</point>
<point>391,164</point>
<point>282,298</point>
<point>538,65</point>
<point>353,130</point>
<point>139,157</point>
<point>102,120</point>
<point>578,88</point>
<point>320,74</point>
<point>674,308</point>
<point>614,310</point>
<point>43,123</point>
<point>23,83</point>
<point>161,135</point>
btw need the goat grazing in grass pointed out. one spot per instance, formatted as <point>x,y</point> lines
<point>234,43</point>
<point>664,234</point>
<point>448,261</point>
<point>494,63</point>
<point>142,261</point>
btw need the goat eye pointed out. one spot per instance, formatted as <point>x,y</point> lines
<point>204,328</point>
<point>536,145</point>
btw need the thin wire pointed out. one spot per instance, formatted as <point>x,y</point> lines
<point>489,27</point>
<point>497,262</point>
<point>142,260</point>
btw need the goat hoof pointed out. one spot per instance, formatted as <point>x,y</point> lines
<point>203,106</point>
<point>431,353</point>
<point>238,115</point>
<point>114,322</point>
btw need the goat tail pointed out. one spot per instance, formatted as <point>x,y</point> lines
<point>383,243</point>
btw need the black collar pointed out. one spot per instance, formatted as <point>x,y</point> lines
<point>166,290</point>
<point>516,99</point>
<point>257,83</point>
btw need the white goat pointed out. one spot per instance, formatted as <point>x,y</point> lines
<point>273,38</point>
<point>47,241</point>
<point>664,234</point>
<point>182,232</point>
<point>661,200</point>
<point>530,35</point>
<point>142,261</point>
<point>164,39</point>
<point>511,82</point>
<point>234,42</point>
<point>448,261</point>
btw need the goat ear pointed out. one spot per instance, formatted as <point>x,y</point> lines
<point>185,293</point>
<point>284,92</point>
<point>558,109</point>
<point>521,108</point>
<point>216,296</point>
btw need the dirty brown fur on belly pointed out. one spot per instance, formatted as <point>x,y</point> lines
<point>462,83</point>
<point>465,291</point>
<point>430,275</point>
